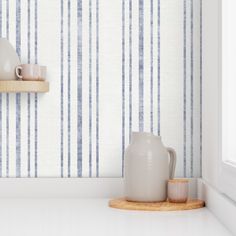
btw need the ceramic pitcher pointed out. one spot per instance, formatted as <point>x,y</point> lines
<point>148,166</point>
<point>8,60</point>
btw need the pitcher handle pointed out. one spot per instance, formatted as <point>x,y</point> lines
<point>172,164</point>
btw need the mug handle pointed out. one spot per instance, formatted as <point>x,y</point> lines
<point>19,68</point>
<point>172,164</point>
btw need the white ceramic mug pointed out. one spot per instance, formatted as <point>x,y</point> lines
<point>31,72</point>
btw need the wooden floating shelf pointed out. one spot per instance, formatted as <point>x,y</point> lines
<point>19,86</point>
<point>121,203</point>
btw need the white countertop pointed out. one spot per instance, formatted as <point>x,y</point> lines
<point>90,217</point>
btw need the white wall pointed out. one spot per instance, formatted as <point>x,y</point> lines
<point>82,126</point>
<point>211,87</point>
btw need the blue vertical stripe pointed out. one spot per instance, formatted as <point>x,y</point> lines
<point>36,95</point>
<point>200,87</point>
<point>97,88</point>
<point>90,88</point>
<point>18,27</point>
<point>123,84</point>
<point>159,67</point>
<point>151,65</point>
<point>79,88</point>
<point>18,95</point>
<point>141,64</point>
<point>69,90</point>
<point>184,89</point>
<point>62,88</point>
<point>130,68</point>
<point>192,88</point>
<point>28,95</point>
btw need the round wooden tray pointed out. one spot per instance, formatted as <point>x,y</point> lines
<point>121,203</point>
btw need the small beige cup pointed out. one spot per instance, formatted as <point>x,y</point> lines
<point>31,72</point>
<point>178,190</point>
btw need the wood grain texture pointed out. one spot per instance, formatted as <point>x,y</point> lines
<point>121,203</point>
<point>178,180</point>
<point>14,86</point>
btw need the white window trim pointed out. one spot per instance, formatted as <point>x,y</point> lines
<point>227,170</point>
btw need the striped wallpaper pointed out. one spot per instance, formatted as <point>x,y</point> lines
<point>113,66</point>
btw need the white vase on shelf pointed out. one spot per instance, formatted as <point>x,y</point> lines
<point>8,60</point>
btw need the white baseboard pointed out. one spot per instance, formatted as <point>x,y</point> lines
<point>61,187</point>
<point>68,187</point>
<point>219,204</point>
